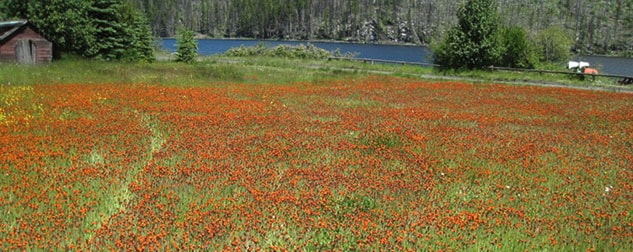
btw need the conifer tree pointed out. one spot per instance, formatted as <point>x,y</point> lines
<point>110,32</point>
<point>142,40</point>
<point>120,31</point>
<point>187,46</point>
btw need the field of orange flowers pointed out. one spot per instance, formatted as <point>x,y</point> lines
<point>377,163</point>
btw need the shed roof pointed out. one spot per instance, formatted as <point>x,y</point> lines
<point>8,28</point>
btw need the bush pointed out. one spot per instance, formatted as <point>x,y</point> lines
<point>518,50</point>
<point>246,51</point>
<point>301,51</point>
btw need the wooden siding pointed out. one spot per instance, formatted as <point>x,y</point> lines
<point>44,47</point>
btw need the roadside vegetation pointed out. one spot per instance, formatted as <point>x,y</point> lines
<point>478,41</point>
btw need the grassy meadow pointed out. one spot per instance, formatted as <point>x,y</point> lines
<point>272,154</point>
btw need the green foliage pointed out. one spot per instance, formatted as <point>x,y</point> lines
<point>105,19</point>
<point>142,40</point>
<point>478,42</point>
<point>246,51</point>
<point>474,42</point>
<point>627,54</point>
<point>187,46</point>
<point>518,49</point>
<point>121,31</point>
<point>65,23</point>
<point>307,51</point>
<point>13,9</point>
<point>103,29</point>
<point>554,44</point>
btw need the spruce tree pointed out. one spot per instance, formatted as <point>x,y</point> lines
<point>187,46</point>
<point>110,32</point>
<point>122,32</point>
<point>13,9</point>
<point>142,40</point>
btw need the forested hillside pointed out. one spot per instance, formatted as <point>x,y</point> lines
<point>597,27</point>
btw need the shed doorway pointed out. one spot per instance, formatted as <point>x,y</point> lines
<point>25,51</point>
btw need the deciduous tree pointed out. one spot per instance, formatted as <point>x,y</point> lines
<point>554,44</point>
<point>474,42</point>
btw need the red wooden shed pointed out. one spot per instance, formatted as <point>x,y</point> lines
<point>20,42</point>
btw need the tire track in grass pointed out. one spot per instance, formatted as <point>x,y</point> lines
<point>120,197</point>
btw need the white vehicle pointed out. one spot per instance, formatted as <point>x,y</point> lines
<point>577,64</point>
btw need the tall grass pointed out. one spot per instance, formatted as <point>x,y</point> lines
<point>270,67</point>
<point>205,71</point>
<point>87,71</point>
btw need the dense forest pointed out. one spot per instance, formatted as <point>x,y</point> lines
<point>100,29</point>
<point>597,27</point>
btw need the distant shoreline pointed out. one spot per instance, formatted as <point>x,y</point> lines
<point>199,37</point>
<point>310,41</point>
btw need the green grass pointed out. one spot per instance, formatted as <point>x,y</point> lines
<point>208,70</point>
<point>477,75</point>
<point>219,69</point>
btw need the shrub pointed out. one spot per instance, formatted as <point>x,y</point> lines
<point>307,51</point>
<point>518,50</point>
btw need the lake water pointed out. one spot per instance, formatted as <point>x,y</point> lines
<point>414,54</point>
<point>610,65</point>
<point>417,54</point>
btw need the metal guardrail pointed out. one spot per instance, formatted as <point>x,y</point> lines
<point>372,61</point>
<point>557,72</point>
<point>624,80</point>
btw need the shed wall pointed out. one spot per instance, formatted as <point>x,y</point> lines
<point>44,47</point>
